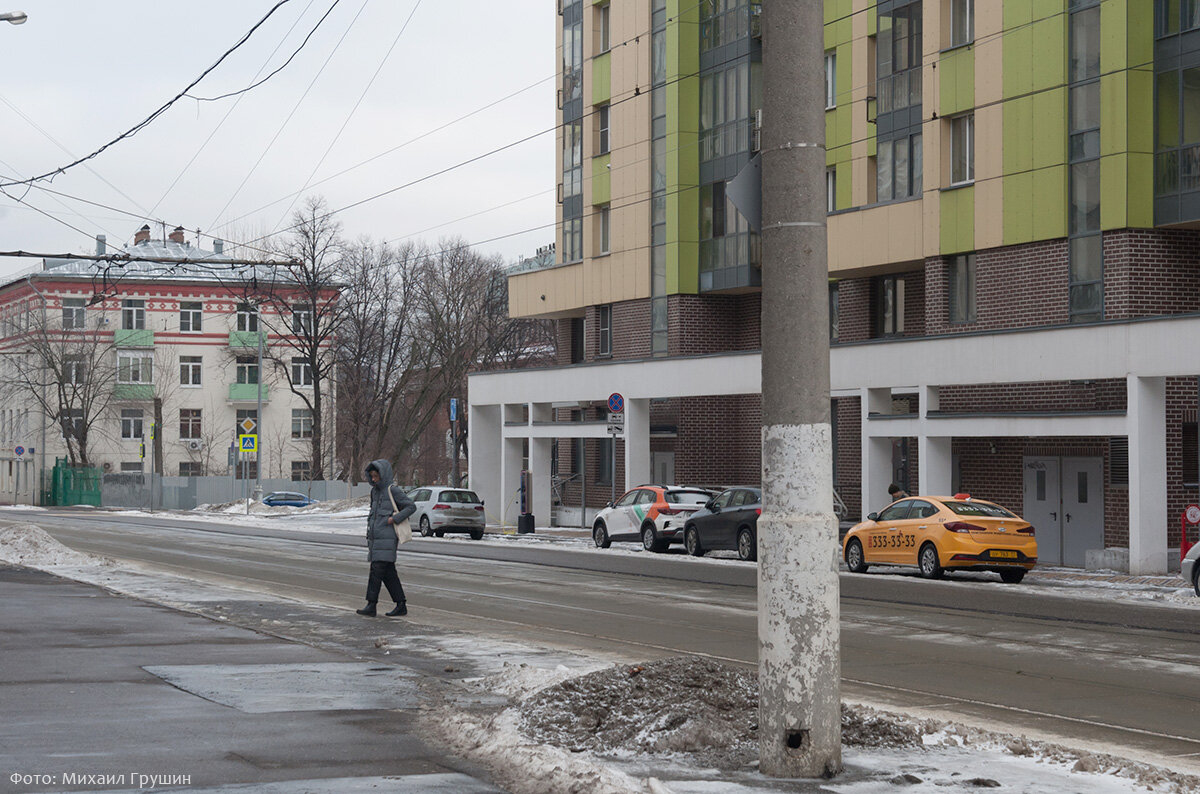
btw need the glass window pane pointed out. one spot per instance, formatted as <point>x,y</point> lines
<point>1085,197</point>
<point>917,166</point>
<point>1191,106</point>
<point>901,170</point>
<point>1082,487</point>
<point>1166,128</point>
<point>1085,44</point>
<point>883,171</point>
<point>1085,145</point>
<point>1085,302</point>
<point>1085,107</point>
<point>1087,258</point>
<point>1167,17</point>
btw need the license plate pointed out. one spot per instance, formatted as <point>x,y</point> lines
<point>1005,554</point>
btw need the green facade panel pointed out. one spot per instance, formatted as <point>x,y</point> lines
<point>1114,173</point>
<point>133,337</point>
<point>957,220</point>
<point>247,339</point>
<point>139,392</point>
<point>1140,181</point>
<point>247,392</point>
<point>1049,204</point>
<point>602,78</point>
<point>601,179</point>
<point>956,71</point>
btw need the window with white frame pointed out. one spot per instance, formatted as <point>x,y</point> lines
<point>131,423</point>
<point>603,31</point>
<point>302,322</point>
<point>74,313</point>
<point>962,288</point>
<point>603,220</point>
<point>302,471</point>
<point>962,22</point>
<point>189,423</point>
<point>71,421</point>
<point>74,369</point>
<point>247,369</point>
<point>133,314</point>
<point>830,80</point>
<point>247,317</point>
<point>831,188</point>
<point>189,316</point>
<point>604,329</point>
<point>302,374</point>
<point>602,129</point>
<point>302,423</point>
<point>135,367</point>
<point>190,368</point>
<point>962,149</point>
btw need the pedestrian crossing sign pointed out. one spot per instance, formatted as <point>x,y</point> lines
<point>248,443</point>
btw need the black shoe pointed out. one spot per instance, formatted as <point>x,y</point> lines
<point>401,609</point>
<point>367,611</point>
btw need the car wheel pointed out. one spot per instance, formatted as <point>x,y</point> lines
<point>476,534</point>
<point>1012,576</point>
<point>600,536</point>
<point>854,557</point>
<point>747,550</point>
<point>691,541</point>
<point>426,530</point>
<point>650,541</point>
<point>931,567</point>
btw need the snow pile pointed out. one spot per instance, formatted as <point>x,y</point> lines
<point>238,507</point>
<point>32,546</point>
<point>359,505</point>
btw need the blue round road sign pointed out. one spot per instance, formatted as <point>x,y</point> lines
<point>20,451</point>
<point>616,403</point>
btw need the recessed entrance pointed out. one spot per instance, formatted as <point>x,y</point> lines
<point>1064,500</point>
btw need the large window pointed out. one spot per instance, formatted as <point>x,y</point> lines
<point>830,80</point>
<point>898,58</point>
<point>247,369</point>
<point>889,306</point>
<point>247,317</point>
<point>726,21</point>
<point>302,374</point>
<point>302,322</point>
<point>72,422</point>
<point>833,314</point>
<point>604,230</point>
<point>190,313</point>
<point>962,289</point>
<point>898,168</point>
<point>190,368</point>
<point>962,22</point>
<point>134,367</point>
<point>191,468</point>
<point>133,314</point>
<point>302,423</point>
<point>1085,244</point>
<point>189,423</point>
<point>602,129</point>
<point>728,100</point>
<point>74,313</point>
<point>831,188</point>
<point>302,470</point>
<point>131,423</point>
<point>962,149</point>
<point>603,31</point>
<point>74,370</point>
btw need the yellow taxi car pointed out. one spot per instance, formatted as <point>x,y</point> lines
<point>943,533</point>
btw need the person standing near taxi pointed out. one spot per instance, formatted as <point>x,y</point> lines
<point>895,492</point>
<point>390,505</point>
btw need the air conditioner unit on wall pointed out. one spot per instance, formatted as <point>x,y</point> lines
<point>195,445</point>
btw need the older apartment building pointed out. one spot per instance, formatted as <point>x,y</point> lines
<point>143,365</point>
<point>1013,198</point>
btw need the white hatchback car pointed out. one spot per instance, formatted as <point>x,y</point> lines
<point>1189,570</point>
<point>653,514</point>
<point>443,509</point>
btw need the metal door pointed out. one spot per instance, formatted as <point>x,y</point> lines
<point>1043,506</point>
<point>1082,508</point>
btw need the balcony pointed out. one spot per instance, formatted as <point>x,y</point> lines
<point>134,337</point>
<point>246,392</point>
<point>133,392</point>
<point>246,338</point>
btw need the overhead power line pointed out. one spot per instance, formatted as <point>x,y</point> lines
<point>134,130</point>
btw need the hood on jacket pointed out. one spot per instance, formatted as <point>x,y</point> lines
<point>384,467</point>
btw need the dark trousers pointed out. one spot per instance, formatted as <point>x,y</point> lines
<point>384,573</point>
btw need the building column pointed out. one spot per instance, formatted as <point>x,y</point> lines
<point>637,443</point>
<point>876,452</point>
<point>510,468</point>
<point>1146,418</point>
<point>483,457</point>
<point>935,464</point>
<point>540,453</point>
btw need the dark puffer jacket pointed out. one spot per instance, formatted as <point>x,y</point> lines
<point>381,536</point>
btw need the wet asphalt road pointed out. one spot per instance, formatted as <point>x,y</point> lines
<point>1122,677</point>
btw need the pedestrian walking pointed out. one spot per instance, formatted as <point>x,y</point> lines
<point>390,507</point>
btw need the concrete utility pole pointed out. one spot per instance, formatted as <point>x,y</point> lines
<point>799,655</point>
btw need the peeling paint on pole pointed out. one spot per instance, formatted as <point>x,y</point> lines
<point>799,663</point>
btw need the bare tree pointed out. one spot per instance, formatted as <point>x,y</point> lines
<point>65,365</point>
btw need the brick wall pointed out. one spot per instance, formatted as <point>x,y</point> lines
<point>848,474</point>
<point>1149,272</point>
<point>701,324</point>
<point>720,441</point>
<point>1093,395</point>
<point>1181,407</point>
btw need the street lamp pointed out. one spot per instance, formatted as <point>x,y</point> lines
<point>13,17</point>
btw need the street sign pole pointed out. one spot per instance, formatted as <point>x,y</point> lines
<point>616,427</point>
<point>258,413</point>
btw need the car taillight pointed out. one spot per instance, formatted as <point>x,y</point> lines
<point>962,526</point>
<point>479,508</point>
<point>758,511</point>
<point>441,507</point>
<point>1026,531</point>
<point>668,511</point>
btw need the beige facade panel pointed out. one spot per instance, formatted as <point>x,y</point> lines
<point>889,233</point>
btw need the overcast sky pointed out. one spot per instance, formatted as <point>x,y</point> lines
<point>78,74</point>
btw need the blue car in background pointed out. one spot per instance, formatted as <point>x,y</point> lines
<point>287,499</point>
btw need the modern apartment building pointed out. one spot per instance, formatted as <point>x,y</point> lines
<point>144,364</point>
<point>1013,198</point>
